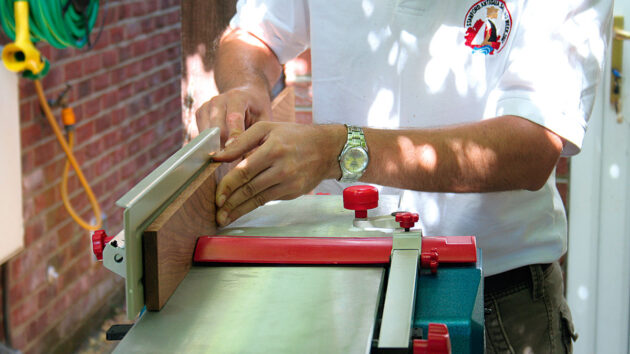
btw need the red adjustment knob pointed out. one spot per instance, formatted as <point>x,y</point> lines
<point>99,240</point>
<point>407,220</point>
<point>360,199</point>
<point>437,342</point>
<point>430,259</point>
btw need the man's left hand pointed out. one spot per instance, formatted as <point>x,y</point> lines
<point>281,161</point>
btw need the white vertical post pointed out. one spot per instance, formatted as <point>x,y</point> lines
<point>12,238</point>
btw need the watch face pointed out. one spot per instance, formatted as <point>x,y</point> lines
<point>354,160</point>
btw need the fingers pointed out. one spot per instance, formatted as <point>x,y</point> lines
<point>243,173</point>
<point>248,197</point>
<point>243,144</point>
<point>207,115</point>
<point>226,216</point>
<point>234,118</point>
<point>227,112</point>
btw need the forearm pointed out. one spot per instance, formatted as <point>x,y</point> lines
<point>245,61</point>
<point>505,153</point>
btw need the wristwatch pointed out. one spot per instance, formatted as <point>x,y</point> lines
<point>354,156</point>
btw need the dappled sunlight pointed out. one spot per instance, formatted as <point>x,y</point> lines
<point>368,7</point>
<point>380,113</point>
<point>449,56</point>
<point>583,32</point>
<point>473,156</point>
<point>197,88</point>
<point>376,38</point>
<point>424,154</point>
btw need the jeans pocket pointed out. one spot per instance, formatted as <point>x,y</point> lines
<point>568,330</point>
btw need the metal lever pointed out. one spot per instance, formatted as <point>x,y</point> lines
<point>621,34</point>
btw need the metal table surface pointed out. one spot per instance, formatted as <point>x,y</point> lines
<point>253,309</point>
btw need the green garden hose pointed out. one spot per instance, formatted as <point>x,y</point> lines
<point>62,23</point>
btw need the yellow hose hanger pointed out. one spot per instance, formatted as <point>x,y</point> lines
<point>22,56</point>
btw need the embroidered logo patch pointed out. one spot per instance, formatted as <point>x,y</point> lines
<point>488,24</point>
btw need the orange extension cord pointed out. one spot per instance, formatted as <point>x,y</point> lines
<point>71,160</point>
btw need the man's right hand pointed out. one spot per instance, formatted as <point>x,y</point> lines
<point>234,111</point>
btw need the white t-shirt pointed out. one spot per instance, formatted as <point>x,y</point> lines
<point>418,63</point>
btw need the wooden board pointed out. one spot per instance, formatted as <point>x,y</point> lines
<point>283,106</point>
<point>169,241</point>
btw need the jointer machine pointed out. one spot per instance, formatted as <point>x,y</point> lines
<point>313,275</point>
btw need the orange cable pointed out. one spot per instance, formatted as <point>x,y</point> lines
<point>71,160</point>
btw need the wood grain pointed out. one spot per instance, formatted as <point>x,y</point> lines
<point>169,242</point>
<point>283,106</point>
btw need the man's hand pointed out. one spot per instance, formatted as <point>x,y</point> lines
<point>234,111</point>
<point>283,161</point>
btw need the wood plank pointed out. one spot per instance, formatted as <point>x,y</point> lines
<point>283,106</point>
<point>169,242</point>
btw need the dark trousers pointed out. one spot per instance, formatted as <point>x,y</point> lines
<point>526,312</point>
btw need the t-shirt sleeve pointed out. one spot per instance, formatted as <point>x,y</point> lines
<point>282,24</point>
<point>554,66</point>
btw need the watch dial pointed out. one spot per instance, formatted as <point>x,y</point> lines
<point>355,160</point>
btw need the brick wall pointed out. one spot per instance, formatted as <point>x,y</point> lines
<point>126,96</point>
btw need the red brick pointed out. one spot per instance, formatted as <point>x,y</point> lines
<point>26,112</point>
<point>110,58</point>
<point>84,89</point>
<point>101,82</point>
<point>91,108</point>
<point>563,188</point>
<point>22,313</point>
<point>92,64</point>
<point>27,89</point>
<point>47,198</point>
<point>64,234</point>
<point>45,152</point>
<point>147,25</point>
<point>147,63</point>
<point>132,30</point>
<point>35,331</point>
<point>73,70</point>
<point>562,168</point>
<point>85,131</point>
<point>139,48</point>
<point>116,34</point>
<point>30,135</point>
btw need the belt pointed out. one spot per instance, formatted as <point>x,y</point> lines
<point>503,281</point>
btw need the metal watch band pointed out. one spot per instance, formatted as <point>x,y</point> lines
<point>355,138</point>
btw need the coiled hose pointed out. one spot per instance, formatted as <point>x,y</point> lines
<point>62,23</point>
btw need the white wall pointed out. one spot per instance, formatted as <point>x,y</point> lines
<point>12,235</point>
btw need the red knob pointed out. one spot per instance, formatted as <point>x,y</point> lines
<point>407,220</point>
<point>360,199</point>
<point>99,240</point>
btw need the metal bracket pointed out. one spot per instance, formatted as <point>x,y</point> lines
<point>114,257</point>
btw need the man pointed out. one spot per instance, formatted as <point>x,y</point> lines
<point>468,133</point>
